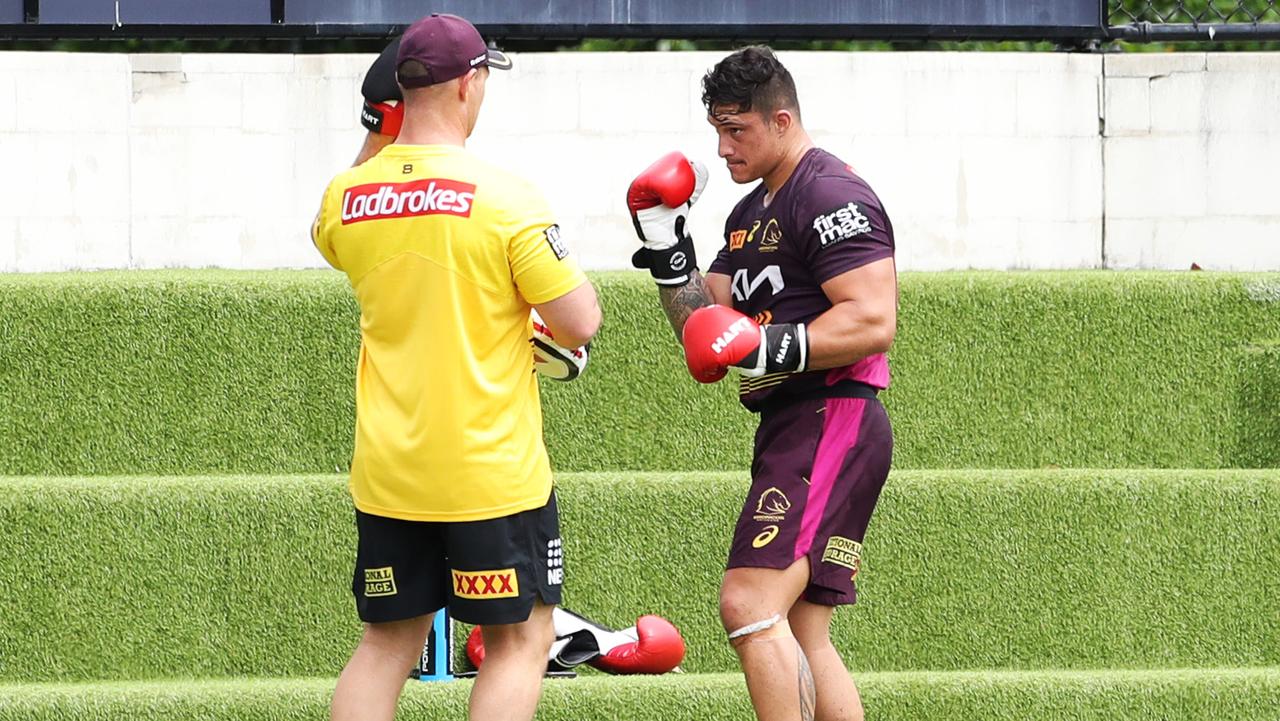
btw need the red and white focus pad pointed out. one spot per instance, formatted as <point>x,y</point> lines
<point>475,648</point>
<point>383,118</point>
<point>652,646</point>
<point>550,358</point>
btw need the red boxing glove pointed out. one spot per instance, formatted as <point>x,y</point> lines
<point>659,200</point>
<point>671,181</point>
<point>655,646</point>
<point>716,337</point>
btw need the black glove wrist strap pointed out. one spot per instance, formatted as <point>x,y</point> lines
<point>669,266</point>
<point>787,346</point>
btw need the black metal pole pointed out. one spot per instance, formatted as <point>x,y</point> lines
<point>1146,32</point>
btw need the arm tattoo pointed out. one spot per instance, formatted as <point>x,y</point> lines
<point>681,301</point>
<point>808,691</point>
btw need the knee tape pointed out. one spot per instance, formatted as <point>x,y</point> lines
<point>756,627</point>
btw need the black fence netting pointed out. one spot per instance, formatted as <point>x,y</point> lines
<point>1197,20</point>
<point>1195,11</point>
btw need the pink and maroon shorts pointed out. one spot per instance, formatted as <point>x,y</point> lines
<point>818,469</point>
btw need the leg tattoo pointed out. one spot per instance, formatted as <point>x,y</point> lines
<point>808,691</point>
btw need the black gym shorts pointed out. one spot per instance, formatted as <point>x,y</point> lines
<point>486,572</point>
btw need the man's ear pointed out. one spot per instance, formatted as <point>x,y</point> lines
<point>783,120</point>
<point>467,83</point>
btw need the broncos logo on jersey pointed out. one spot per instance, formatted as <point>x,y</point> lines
<point>772,236</point>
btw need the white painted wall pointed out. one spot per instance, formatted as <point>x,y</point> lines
<point>997,160</point>
<point>1192,161</point>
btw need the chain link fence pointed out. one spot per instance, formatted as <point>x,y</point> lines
<point>1172,20</point>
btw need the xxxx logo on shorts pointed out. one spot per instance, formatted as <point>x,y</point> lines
<point>483,585</point>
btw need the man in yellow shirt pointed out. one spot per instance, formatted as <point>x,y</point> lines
<point>450,477</point>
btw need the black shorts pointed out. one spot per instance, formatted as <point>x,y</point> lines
<point>818,470</point>
<point>486,572</point>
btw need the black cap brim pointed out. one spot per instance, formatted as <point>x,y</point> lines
<point>498,60</point>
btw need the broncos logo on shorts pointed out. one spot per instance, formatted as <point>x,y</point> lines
<point>772,506</point>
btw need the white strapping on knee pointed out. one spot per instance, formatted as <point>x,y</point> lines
<point>756,627</point>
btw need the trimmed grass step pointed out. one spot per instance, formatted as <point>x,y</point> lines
<point>154,577</point>
<point>252,372</point>
<point>1251,694</point>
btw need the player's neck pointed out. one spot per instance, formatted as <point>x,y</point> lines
<point>433,129</point>
<point>781,173</point>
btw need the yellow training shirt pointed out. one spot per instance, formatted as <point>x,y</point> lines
<point>445,253</point>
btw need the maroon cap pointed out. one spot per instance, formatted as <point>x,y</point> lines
<point>448,46</point>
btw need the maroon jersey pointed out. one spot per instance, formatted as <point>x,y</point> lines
<point>824,221</point>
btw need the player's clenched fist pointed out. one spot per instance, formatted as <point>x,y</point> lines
<point>659,200</point>
<point>717,337</point>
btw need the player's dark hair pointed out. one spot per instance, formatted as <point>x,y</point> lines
<point>751,79</point>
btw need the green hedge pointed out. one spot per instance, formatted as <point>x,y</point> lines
<point>226,372</point>
<point>220,372</point>
<point>1220,694</point>
<point>139,578</point>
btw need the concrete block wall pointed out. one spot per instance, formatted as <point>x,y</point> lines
<point>64,187</point>
<point>154,161</point>
<point>1192,148</point>
<point>983,160</point>
<point>987,161</point>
